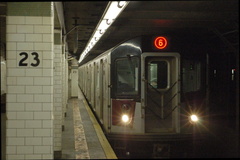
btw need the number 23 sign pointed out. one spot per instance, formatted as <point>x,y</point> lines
<point>27,59</point>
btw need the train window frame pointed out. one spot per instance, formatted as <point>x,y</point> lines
<point>137,72</point>
<point>150,60</point>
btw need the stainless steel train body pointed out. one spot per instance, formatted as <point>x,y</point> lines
<point>135,91</point>
<point>3,77</point>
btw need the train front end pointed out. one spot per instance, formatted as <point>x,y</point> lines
<point>146,103</point>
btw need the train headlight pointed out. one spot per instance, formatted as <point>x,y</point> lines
<point>194,118</point>
<point>125,118</point>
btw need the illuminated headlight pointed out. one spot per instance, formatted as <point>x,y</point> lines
<point>194,118</point>
<point>125,118</point>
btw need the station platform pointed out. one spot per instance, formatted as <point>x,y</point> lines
<point>82,136</point>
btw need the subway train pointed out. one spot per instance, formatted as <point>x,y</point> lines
<point>149,95</point>
<point>3,78</point>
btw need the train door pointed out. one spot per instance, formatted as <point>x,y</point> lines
<point>95,85</point>
<point>101,83</point>
<point>88,83</point>
<point>105,91</point>
<point>161,89</point>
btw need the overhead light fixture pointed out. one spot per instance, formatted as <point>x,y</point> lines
<point>113,9</point>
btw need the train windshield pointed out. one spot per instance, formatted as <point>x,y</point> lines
<point>127,70</point>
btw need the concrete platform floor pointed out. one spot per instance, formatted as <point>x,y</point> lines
<point>82,137</point>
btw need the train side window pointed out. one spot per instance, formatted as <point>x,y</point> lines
<point>158,74</point>
<point>127,71</point>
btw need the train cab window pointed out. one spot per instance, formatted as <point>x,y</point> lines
<point>157,74</point>
<point>127,71</point>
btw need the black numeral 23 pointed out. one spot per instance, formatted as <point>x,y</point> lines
<point>25,57</point>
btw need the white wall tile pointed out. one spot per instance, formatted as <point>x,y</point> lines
<point>15,106</point>
<point>58,114</point>
<point>11,132</point>
<point>15,124</point>
<point>48,55</point>
<point>47,64</point>
<point>47,20</point>
<point>22,46</point>
<point>11,28</point>
<point>47,141</point>
<point>33,141</point>
<point>25,98</point>
<point>58,74</point>
<point>43,98</point>
<point>34,89</point>
<point>34,20</point>
<point>33,123</point>
<point>42,115</point>
<point>42,29</point>
<point>42,149</point>
<point>15,72</point>
<point>58,122</point>
<point>47,89</point>
<point>47,107</point>
<point>47,38</point>
<point>15,89</point>
<point>42,81</point>
<point>24,132</point>
<point>47,72</point>
<point>33,156</point>
<point>24,80</point>
<point>11,115</point>
<point>42,132</point>
<point>15,141</point>
<point>58,49</point>
<point>24,149</point>
<point>34,38</point>
<point>11,46</point>
<point>47,124</point>
<point>25,29</point>
<point>43,46</point>
<point>59,91</point>
<point>12,54</point>
<point>11,149</point>
<point>11,98</point>
<point>11,63</point>
<point>15,157</point>
<point>15,37</point>
<point>33,72</point>
<point>15,19</point>
<point>33,106</point>
<point>24,115</point>
<point>47,156</point>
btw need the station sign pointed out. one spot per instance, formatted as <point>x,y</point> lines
<point>160,42</point>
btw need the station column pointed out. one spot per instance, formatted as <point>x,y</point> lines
<point>29,104</point>
<point>58,93</point>
<point>74,78</point>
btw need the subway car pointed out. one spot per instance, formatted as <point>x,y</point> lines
<point>149,95</point>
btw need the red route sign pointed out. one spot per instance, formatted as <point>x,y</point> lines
<point>160,42</point>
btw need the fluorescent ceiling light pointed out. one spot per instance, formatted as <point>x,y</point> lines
<point>113,9</point>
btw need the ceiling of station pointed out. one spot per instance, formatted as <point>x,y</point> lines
<point>149,17</point>
<point>143,17</point>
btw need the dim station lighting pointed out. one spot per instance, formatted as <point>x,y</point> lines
<point>113,9</point>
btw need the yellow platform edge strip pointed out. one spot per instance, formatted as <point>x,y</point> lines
<point>103,140</point>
